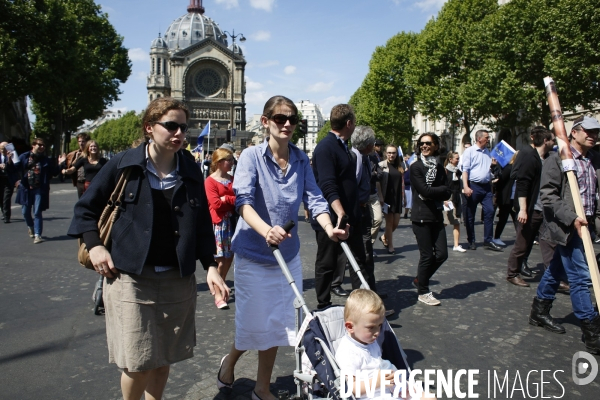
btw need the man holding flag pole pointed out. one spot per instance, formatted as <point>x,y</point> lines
<point>568,192</point>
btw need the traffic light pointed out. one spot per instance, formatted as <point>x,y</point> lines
<point>303,127</point>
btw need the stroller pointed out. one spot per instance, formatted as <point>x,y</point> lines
<point>316,372</point>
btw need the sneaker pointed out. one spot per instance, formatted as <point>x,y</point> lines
<point>459,249</point>
<point>499,242</point>
<point>429,299</point>
<point>38,239</point>
<point>30,231</point>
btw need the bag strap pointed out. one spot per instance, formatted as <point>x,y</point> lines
<point>109,216</point>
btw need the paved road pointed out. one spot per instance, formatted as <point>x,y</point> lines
<point>52,346</point>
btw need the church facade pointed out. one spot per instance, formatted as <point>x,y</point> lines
<point>194,62</point>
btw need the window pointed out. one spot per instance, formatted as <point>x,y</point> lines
<point>158,66</point>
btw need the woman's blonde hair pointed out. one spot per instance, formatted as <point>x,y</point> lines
<point>514,157</point>
<point>362,301</point>
<point>86,149</point>
<point>218,155</point>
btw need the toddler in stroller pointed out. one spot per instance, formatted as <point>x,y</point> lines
<point>360,355</point>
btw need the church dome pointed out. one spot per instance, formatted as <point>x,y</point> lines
<point>159,43</point>
<point>237,49</point>
<point>192,28</point>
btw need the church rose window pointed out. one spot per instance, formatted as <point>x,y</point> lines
<point>208,82</point>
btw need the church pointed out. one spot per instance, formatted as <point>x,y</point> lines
<point>194,62</point>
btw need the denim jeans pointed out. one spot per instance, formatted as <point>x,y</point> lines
<point>34,201</point>
<point>569,264</point>
<point>482,193</point>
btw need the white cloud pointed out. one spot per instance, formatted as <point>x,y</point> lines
<point>228,3</point>
<point>252,85</point>
<point>320,87</point>
<point>261,36</point>
<point>327,103</point>
<point>266,5</point>
<point>430,4</point>
<point>138,54</point>
<point>140,76</point>
<point>266,64</point>
<point>290,69</point>
<point>256,100</point>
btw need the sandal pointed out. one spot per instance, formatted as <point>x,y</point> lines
<point>221,305</point>
<point>382,240</point>
<point>220,383</point>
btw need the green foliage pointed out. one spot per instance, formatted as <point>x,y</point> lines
<point>324,131</point>
<point>73,144</point>
<point>385,101</point>
<point>69,59</point>
<point>118,134</point>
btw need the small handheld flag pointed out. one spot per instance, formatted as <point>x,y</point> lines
<point>503,152</point>
<point>205,131</point>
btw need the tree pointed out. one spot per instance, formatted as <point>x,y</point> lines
<point>440,67</point>
<point>386,100</point>
<point>66,55</point>
<point>324,131</point>
<point>525,41</point>
<point>118,134</point>
<point>296,135</point>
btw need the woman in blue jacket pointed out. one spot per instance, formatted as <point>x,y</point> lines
<point>164,227</point>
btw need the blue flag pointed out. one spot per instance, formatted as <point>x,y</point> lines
<point>503,153</point>
<point>411,159</point>
<point>205,131</point>
<point>198,149</point>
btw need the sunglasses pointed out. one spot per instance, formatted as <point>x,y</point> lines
<point>281,119</point>
<point>172,126</point>
<point>39,144</point>
<point>421,144</point>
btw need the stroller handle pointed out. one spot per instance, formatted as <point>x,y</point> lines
<point>351,259</point>
<point>287,228</point>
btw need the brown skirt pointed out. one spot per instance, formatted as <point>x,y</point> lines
<point>150,318</point>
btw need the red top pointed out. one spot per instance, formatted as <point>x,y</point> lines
<point>214,191</point>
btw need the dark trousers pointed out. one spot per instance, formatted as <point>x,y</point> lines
<point>342,261</point>
<point>80,189</point>
<point>525,236</point>
<point>433,251</point>
<point>328,253</point>
<point>482,193</point>
<point>6,192</point>
<point>505,211</point>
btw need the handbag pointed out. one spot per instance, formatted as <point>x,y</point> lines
<point>107,219</point>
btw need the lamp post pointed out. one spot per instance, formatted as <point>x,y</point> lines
<point>242,39</point>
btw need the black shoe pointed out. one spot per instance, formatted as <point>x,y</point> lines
<point>492,246</point>
<point>591,334</point>
<point>472,246</point>
<point>339,291</point>
<point>540,316</point>
<point>525,270</point>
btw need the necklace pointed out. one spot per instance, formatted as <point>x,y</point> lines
<point>287,164</point>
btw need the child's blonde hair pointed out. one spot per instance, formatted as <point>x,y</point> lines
<point>362,301</point>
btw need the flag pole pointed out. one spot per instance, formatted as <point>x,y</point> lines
<point>568,165</point>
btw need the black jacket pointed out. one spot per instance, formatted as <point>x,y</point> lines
<point>132,232</point>
<point>504,186</point>
<point>335,173</point>
<point>430,208</point>
<point>527,170</point>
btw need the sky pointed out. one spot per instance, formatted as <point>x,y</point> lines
<point>317,50</point>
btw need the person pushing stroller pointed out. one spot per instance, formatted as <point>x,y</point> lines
<point>359,350</point>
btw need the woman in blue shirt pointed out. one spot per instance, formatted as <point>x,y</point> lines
<point>271,181</point>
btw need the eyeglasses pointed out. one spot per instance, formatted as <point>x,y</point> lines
<point>589,132</point>
<point>39,144</point>
<point>421,144</point>
<point>173,126</point>
<point>392,152</point>
<point>281,119</point>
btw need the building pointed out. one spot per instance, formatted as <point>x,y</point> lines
<point>194,62</point>
<point>93,125</point>
<point>313,113</point>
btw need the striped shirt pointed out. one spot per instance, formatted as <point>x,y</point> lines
<point>586,179</point>
<point>155,182</point>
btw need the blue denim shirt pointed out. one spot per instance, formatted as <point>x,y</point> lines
<point>260,183</point>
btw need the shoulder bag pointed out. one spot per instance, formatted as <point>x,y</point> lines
<point>107,220</point>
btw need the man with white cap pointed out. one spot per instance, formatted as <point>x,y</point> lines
<point>563,227</point>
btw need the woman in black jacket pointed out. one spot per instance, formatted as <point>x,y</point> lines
<point>429,189</point>
<point>164,227</point>
<point>452,216</point>
<point>505,192</point>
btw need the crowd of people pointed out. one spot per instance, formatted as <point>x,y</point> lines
<point>172,216</point>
